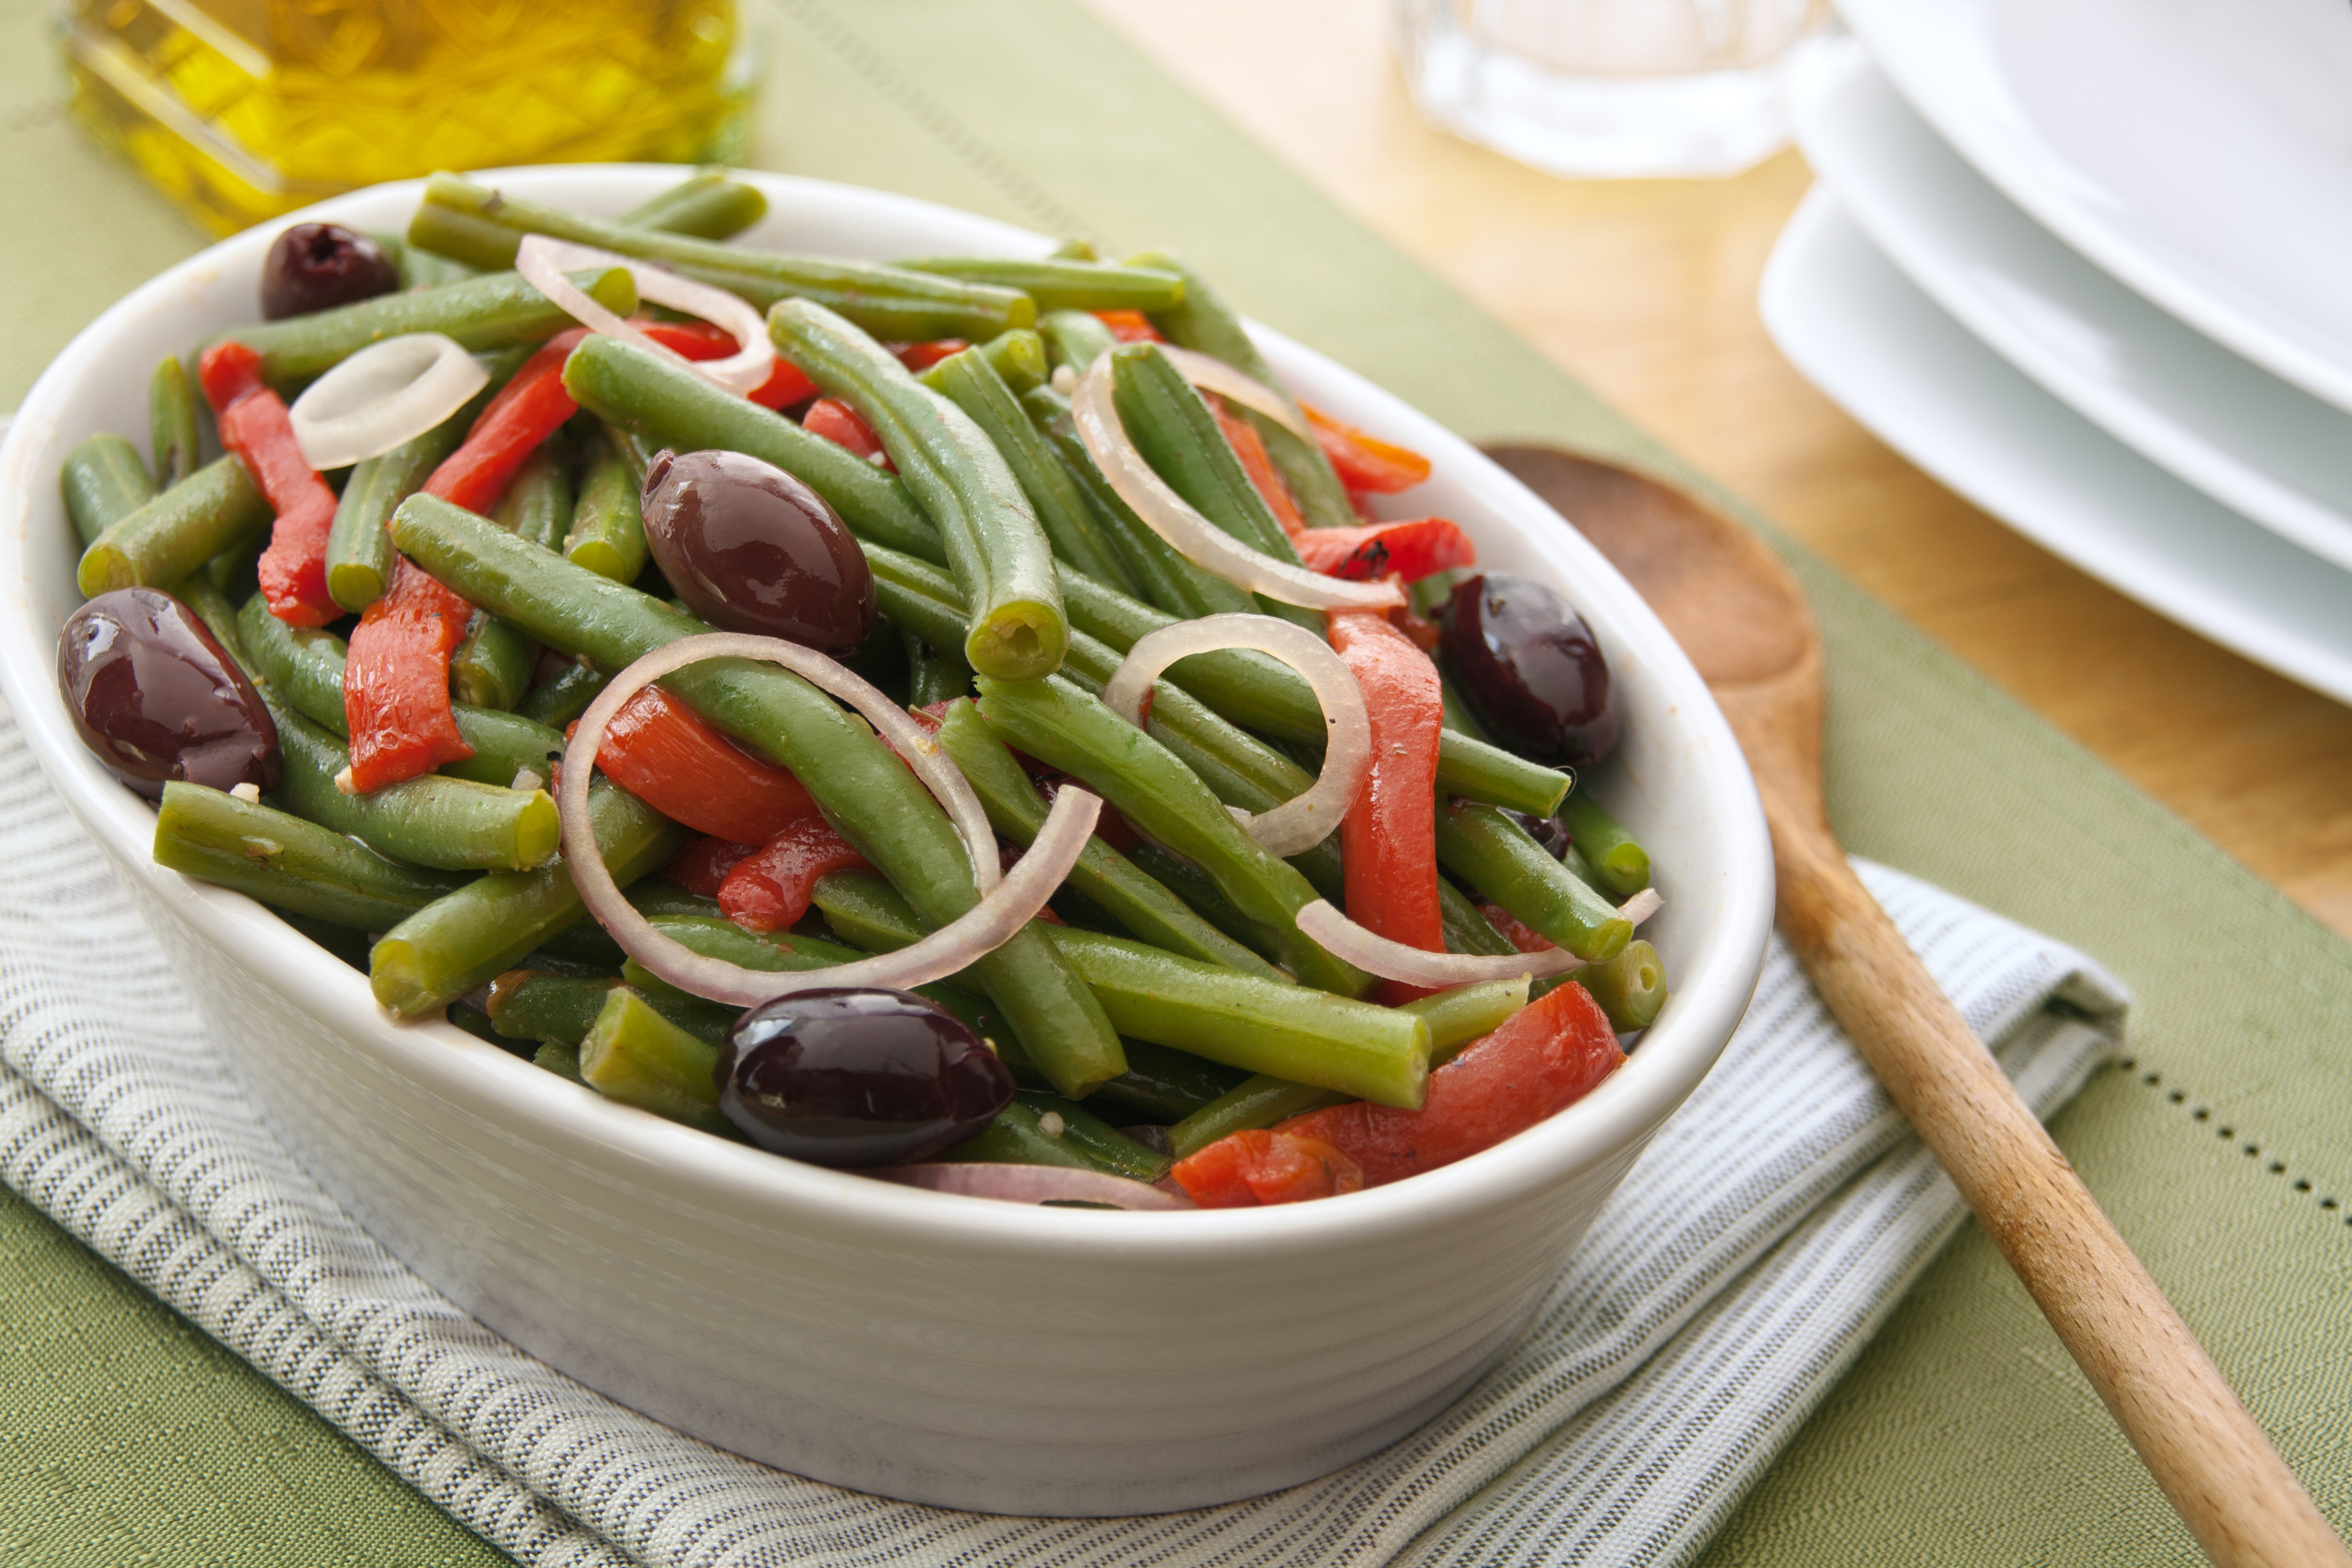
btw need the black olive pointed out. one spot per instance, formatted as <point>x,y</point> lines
<point>317,266</point>
<point>854,1077</point>
<point>1548,831</point>
<point>752,548</point>
<point>1530,668</point>
<point>158,700</point>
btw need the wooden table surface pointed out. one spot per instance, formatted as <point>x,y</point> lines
<point>1646,291</point>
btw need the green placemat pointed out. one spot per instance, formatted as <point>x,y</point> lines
<point>1963,1435</point>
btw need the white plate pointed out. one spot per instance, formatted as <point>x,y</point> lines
<point>2199,150</point>
<point>2277,455</point>
<point>1852,323</point>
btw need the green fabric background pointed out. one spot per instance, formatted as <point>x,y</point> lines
<point>1964,1435</point>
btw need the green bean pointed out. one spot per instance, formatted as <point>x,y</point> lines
<point>492,668</point>
<point>1104,1146</point>
<point>104,483</point>
<point>1458,717</point>
<point>1265,695</point>
<point>670,405</point>
<point>1262,1101</point>
<point>890,301</point>
<point>1063,284</point>
<point>286,862</point>
<point>172,416</point>
<point>1374,1053</point>
<point>423,270</point>
<point>1015,1139</point>
<point>497,311</point>
<point>1131,897</point>
<point>303,667</point>
<point>1467,930</point>
<point>713,205</point>
<point>1074,338</point>
<point>176,532</point>
<point>563,1061</point>
<point>453,825</point>
<point>1018,357</point>
<point>994,547</point>
<point>972,384</point>
<point>486,927</point>
<point>1169,423</point>
<point>1162,1084</point>
<point>935,674</point>
<point>537,505</point>
<point>717,937</point>
<point>1629,987</point>
<point>1578,866</point>
<point>1623,865</point>
<point>1074,250</point>
<point>1427,597</point>
<point>213,608</point>
<point>1056,723</point>
<point>635,1056</point>
<point>535,1005</point>
<point>344,943</point>
<point>1457,1018</point>
<point>1494,855</point>
<point>359,551</point>
<point>561,699</point>
<point>862,786</point>
<point>607,530</point>
<point>1203,323</point>
<point>1200,894</point>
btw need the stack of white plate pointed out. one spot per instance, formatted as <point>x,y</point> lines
<point>2089,262</point>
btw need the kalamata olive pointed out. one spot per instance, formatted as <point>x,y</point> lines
<point>315,265</point>
<point>752,548</point>
<point>1548,831</point>
<point>1528,667</point>
<point>849,1077</point>
<point>158,699</point>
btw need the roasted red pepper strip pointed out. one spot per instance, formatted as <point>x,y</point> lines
<point>1411,549</point>
<point>839,424</point>
<point>786,384</point>
<point>1515,931</point>
<point>396,681</point>
<point>921,357</point>
<point>1387,840</point>
<point>1250,447</point>
<point>1129,326</point>
<point>527,411</point>
<point>704,862</point>
<point>768,890</point>
<point>1544,1059</point>
<point>254,425</point>
<point>1245,1170</point>
<point>1364,462</point>
<point>674,760</point>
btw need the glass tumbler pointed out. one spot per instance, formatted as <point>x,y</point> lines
<point>1623,87</point>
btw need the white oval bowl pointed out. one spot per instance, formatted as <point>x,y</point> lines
<point>951,1351</point>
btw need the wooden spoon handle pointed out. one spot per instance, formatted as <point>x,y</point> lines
<point>2231,1488</point>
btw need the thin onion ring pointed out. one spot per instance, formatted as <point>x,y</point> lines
<point>1375,954</point>
<point>1031,1184</point>
<point>345,417</point>
<point>1007,902</point>
<point>543,262</point>
<point>1300,824</point>
<point>1215,375</point>
<point>1190,534</point>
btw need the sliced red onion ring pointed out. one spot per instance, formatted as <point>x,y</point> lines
<point>385,394</point>
<point>1344,939</point>
<point>1007,902</point>
<point>1215,375</point>
<point>1188,533</point>
<point>543,263</point>
<point>1031,1183</point>
<point>1300,824</point>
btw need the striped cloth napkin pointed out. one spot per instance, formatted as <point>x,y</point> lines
<point>1739,1271</point>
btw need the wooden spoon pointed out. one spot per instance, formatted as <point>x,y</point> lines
<point>1745,624</point>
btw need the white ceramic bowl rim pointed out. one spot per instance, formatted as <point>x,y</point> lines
<point>1713,984</point>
